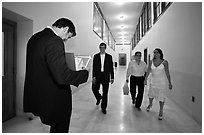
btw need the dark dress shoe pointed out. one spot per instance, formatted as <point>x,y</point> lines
<point>138,108</point>
<point>30,118</point>
<point>98,102</point>
<point>104,111</point>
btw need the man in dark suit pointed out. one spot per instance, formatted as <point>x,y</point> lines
<point>102,74</point>
<point>47,91</point>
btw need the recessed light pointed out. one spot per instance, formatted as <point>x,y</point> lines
<point>121,17</point>
<point>119,3</point>
<point>122,32</point>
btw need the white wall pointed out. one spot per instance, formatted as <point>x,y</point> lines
<point>178,32</point>
<point>43,14</point>
<point>24,29</point>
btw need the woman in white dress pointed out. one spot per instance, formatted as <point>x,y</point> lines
<point>160,80</point>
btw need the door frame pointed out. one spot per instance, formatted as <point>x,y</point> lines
<point>14,70</point>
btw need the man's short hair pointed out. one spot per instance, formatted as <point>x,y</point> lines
<point>102,44</point>
<point>138,52</point>
<point>64,22</point>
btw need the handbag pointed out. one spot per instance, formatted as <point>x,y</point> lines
<point>125,89</point>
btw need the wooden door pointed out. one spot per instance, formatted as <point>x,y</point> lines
<point>8,70</point>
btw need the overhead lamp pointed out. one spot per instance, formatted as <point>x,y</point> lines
<point>123,40</point>
<point>122,26</point>
<point>119,3</point>
<point>121,17</point>
<point>122,37</point>
<point>122,32</point>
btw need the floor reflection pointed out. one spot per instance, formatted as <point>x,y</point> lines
<point>121,117</point>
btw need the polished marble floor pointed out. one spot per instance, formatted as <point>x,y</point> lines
<point>121,117</point>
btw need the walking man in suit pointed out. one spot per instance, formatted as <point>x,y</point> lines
<point>47,91</point>
<point>102,74</point>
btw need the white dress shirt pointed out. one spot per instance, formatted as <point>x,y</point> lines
<point>102,61</point>
<point>52,30</point>
<point>135,69</point>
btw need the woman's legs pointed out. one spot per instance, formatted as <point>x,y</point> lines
<point>150,104</point>
<point>161,104</point>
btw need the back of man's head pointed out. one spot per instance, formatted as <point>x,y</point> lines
<point>64,22</point>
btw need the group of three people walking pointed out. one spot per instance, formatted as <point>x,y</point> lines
<point>138,72</point>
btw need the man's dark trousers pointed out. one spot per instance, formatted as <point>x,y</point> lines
<point>101,79</point>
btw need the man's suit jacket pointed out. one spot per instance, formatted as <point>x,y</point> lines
<point>47,91</point>
<point>108,66</point>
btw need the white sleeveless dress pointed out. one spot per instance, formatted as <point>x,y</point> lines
<point>158,82</point>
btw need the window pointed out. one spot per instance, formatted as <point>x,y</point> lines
<point>143,24</point>
<point>146,17</point>
<point>157,10</point>
<point>149,15</point>
<point>105,32</point>
<point>97,22</point>
<point>145,20</point>
<point>101,28</point>
<point>111,41</point>
<point>3,73</point>
<point>133,46</point>
<point>160,8</point>
<point>138,31</point>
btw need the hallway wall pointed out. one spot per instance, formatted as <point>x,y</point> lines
<point>178,32</point>
<point>45,14</point>
<point>24,30</point>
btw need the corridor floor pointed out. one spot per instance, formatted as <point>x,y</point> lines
<point>121,117</point>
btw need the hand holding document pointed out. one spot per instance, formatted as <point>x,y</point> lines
<point>78,62</point>
<point>82,62</point>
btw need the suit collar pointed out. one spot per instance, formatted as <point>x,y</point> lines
<point>52,30</point>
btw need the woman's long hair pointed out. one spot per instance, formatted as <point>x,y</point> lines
<point>160,52</point>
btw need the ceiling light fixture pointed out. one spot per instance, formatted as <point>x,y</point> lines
<point>121,17</point>
<point>122,26</point>
<point>122,37</point>
<point>119,3</point>
<point>123,33</point>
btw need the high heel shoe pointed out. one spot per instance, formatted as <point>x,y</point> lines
<point>160,116</point>
<point>148,108</point>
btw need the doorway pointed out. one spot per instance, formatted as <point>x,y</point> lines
<point>145,55</point>
<point>122,59</point>
<point>8,69</point>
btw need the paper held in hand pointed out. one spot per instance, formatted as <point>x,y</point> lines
<point>82,62</point>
